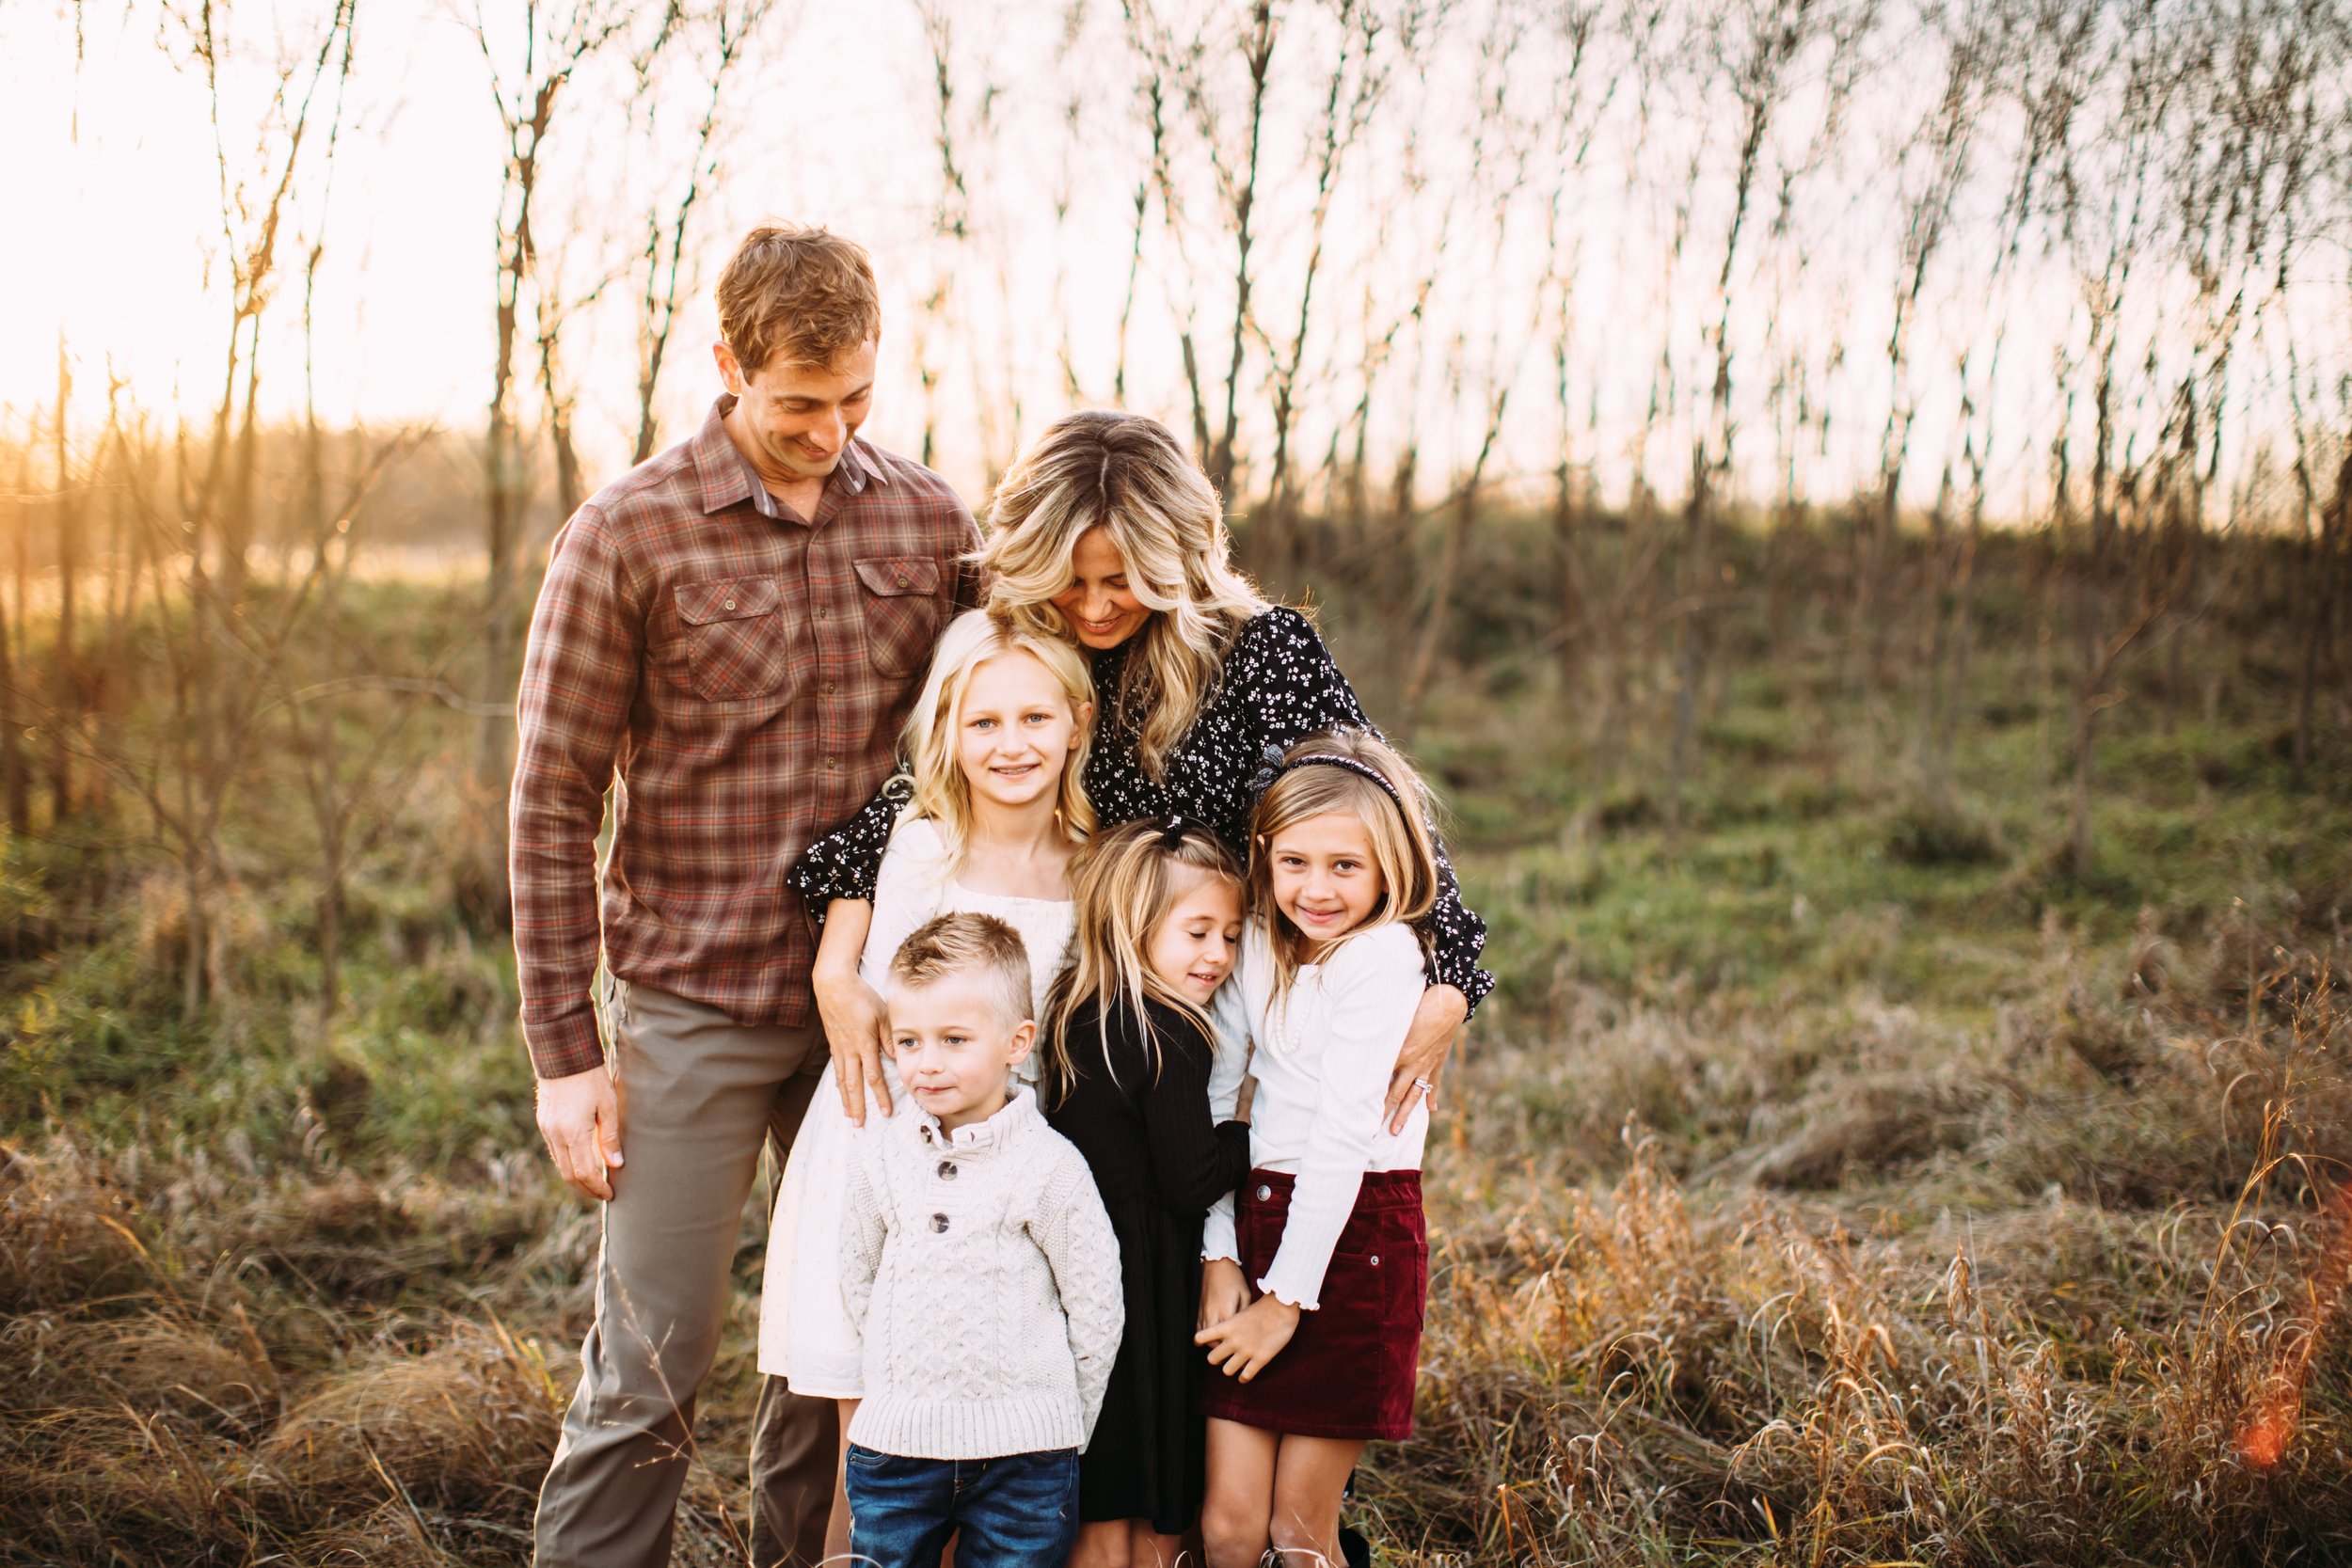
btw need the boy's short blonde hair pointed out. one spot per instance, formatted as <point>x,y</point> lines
<point>966,942</point>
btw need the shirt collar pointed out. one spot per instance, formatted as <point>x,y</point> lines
<point>728,478</point>
<point>976,1137</point>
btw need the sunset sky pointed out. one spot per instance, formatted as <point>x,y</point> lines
<point>119,252</point>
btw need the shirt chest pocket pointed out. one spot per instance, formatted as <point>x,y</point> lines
<point>904,609</point>
<point>736,643</point>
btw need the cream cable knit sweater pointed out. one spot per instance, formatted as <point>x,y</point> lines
<point>983,1278</point>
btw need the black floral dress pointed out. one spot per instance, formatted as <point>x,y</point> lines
<point>1138,1110</point>
<point>1280,686</point>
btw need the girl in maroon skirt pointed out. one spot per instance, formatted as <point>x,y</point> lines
<point>1311,1300</point>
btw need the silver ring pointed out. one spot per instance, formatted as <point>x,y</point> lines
<point>1425,1085</point>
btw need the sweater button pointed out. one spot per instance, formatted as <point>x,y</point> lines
<point>946,1170</point>
<point>939,1222</point>
<point>1376,1259</point>
<point>1264,1192</point>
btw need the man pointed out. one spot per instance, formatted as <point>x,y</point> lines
<point>729,636</point>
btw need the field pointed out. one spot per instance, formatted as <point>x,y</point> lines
<point>1843,1173</point>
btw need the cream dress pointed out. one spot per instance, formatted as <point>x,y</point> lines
<point>804,1332</point>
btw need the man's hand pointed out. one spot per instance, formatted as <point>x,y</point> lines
<point>1224,1293</point>
<point>857,1032</point>
<point>579,1117</point>
<point>1245,1342</point>
<point>1427,1044</point>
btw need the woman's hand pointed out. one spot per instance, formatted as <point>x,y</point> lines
<point>1224,1293</point>
<point>1427,1044</point>
<point>857,1025</point>
<point>1245,1342</point>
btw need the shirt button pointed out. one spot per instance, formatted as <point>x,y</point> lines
<point>939,1222</point>
<point>833,762</point>
<point>831,687</point>
<point>1264,1192</point>
<point>946,1170</point>
<point>902,582</point>
<point>730,603</point>
<point>822,613</point>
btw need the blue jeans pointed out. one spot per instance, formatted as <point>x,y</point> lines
<point>1019,1512</point>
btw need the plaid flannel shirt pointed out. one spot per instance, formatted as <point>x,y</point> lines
<point>737,676</point>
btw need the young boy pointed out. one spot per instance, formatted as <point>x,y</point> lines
<point>982,1275</point>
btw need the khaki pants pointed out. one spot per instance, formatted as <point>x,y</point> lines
<point>699,1095</point>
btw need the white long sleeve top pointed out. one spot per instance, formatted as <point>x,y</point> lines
<point>1323,1058</point>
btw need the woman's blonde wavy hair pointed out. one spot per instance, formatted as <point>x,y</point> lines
<point>929,741</point>
<point>1396,819</point>
<point>1130,475</point>
<point>1125,882</point>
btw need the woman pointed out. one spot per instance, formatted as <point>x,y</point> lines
<point>1106,533</point>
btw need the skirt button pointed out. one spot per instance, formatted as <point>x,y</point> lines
<point>1376,1259</point>
<point>1264,1192</point>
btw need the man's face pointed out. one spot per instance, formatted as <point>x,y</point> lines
<point>954,1046</point>
<point>799,418</point>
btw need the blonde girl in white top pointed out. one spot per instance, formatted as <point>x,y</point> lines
<point>1311,1302</point>
<point>995,748</point>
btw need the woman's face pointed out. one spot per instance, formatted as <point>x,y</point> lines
<point>1101,609</point>
<point>1015,731</point>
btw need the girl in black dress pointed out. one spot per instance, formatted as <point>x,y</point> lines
<point>1130,1051</point>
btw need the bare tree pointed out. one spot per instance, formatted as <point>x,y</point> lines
<point>1753,50</point>
<point>2110,238</point>
<point>186,778</point>
<point>556,40</point>
<point>64,664</point>
<point>15,784</point>
<point>720,42</point>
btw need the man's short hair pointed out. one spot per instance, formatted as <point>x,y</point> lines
<point>966,943</point>
<point>795,295</point>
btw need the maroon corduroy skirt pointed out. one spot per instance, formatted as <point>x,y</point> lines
<point>1348,1372</point>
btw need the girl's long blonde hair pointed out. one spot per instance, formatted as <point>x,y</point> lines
<point>1129,475</point>
<point>929,741</point>
<point>1125,882</point>
<point>1396,819</point>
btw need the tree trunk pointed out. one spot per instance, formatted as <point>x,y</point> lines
<point>15,788</point>
<point>64,676</point>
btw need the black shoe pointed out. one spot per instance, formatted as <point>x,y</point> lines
<point>1355,1548</point>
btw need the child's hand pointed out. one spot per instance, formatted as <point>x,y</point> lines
<point>1244,1343</point>
<point>1224,1291</point>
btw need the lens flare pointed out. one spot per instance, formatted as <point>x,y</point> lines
<point>2263,1435</point>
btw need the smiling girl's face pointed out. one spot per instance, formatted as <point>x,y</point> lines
<point>1099,604</point>
<point>1192,948</point>
<point>1323,879</point>
<point>1015,730</point>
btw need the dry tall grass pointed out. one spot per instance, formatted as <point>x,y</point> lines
<point>2136,1357</point>
<point>2065,1293</point>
